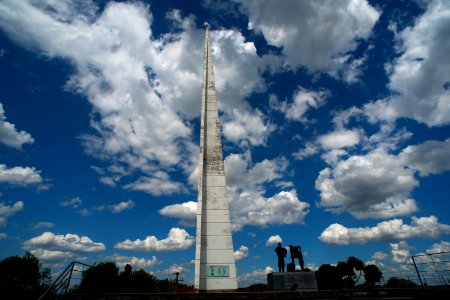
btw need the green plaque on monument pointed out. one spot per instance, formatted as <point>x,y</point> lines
<point>218,271</point>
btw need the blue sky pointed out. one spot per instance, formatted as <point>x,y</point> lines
<point>334,115</point>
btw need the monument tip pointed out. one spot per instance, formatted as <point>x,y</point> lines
<point>206,25</point>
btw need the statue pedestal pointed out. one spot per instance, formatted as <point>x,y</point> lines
<point>300,281</point>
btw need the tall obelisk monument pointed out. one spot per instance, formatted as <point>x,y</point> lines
<point>215,268</point>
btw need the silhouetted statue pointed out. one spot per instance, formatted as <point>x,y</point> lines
<point>281,253</point>
<point>296,252</point>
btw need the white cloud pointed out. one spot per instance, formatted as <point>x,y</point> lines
<point>428,157</point>
<point>419,77</point>
<point>274,239</point>
<point>69,242</point>
<point>340,138</point>
<point>186,212</point>
<point>376,185</point>
<point>9,135</point>
<point>308,150</point>
<point>241,253</point>
<point>40,225</point>
<point>442,246</point>
<point>121,206</point>
<point>302,101</point>
<point>142,89</point>
<point>138,263</point>
<point>315,34</point>
<point>8,210</point>
<point>256,276</point>
<point>51,255</point>
<point>379,255</point>
<point>247,203</point>
<point>254,209</point>
<point>175,269</point>
<point>246,127</point>
<point>241,171</point>
<point>159,184</point>
<point>74,202</point>
<point>21,176</point>
<point>3,235</point>
<point>392,230</point>
<point>400,252</point>
<point>177,239</point>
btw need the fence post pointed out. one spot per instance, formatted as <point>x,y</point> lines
<point>417,270</point>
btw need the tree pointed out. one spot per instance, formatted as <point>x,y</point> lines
<point>395,282</point>
<point>346,274</point>
<point>23,277</point>
<point>142,281</point>
<point>372,274</point>
<point>101,278</point>
<point>356,264</point>
<point>328,278</point>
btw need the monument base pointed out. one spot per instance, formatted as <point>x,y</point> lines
<point>300,281</point>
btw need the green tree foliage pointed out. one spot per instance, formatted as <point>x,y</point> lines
<point>23,277</point>
<point>357,265</point>
<point>100,278</point>
<point>342,276</point>
<point>328,278</point>
<point>143,282</point>
<point>346,274</point>
<point>372,274</point>
<point>105,278</point>
<point>395,282</point>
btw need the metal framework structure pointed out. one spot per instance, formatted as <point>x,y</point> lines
<point>433,269</point>
<point>60,286</point>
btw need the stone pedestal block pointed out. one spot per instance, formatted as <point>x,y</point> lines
<point>303,281</point>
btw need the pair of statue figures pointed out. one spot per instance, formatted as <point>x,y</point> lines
<point>296,252</point>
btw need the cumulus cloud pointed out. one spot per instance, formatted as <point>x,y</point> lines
<point>21,176</point>
<point>186,212</point>
<point>392,230</point>
<point>274,239</point>
<point>138,263</point>
<point>258,275</point>
<point>400,252</point>
<point>158,185</point>
<point>177,239</point>
<point>302,101</point>
<point>318,34</point>
<point>442,246</point>
<point>69,242</point>
<point>241,171</point>
<point>74,202</point>
<point>257,210</point>
<point>9,135</point>
<point>246,128</point>
<point>51,255</point>
<point>241,253</point>
<point>247,202</point>
<point>40,225</point>
<point>3,235</point>
<point>121,206</point>
<point>308,150</point>
<point>379,255</point>
<point>376,185</point>
<point>419,76</point>
<point>340,138</point>
<point>143,90</point>
<point>8,210</point>
<point>430,157</point>
<point>175,269</point>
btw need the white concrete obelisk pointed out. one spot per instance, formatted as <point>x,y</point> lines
<point>215,268</point>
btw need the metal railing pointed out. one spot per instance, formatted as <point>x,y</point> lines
<point>433,269</point>
<point>62,283</point>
